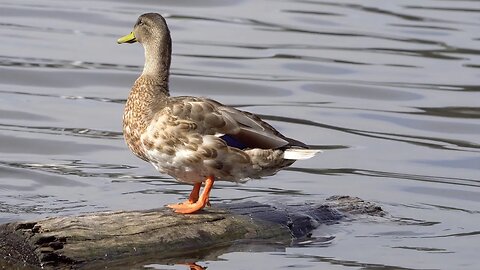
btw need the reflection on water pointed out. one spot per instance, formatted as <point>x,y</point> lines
<point>454,112</point>
<point>389,91</point>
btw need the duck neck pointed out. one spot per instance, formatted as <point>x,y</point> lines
<point>157,60</point>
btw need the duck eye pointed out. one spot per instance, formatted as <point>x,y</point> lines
<point>140,22</point>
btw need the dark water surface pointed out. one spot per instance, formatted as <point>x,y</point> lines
<point>389,89</point>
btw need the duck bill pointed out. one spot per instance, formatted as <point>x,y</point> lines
<point>130,38</point>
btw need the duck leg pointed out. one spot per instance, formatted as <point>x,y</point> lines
<point>193,198</point>
<point>192,207</point>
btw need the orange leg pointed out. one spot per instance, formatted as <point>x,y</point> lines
<point>200,203</point>
<point>193,198</point>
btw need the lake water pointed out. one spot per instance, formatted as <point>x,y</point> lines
<point>388,89</point>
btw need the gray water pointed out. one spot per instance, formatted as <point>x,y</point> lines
<point>388,89</point>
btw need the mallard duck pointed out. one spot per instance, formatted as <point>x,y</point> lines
<point>194,139</point>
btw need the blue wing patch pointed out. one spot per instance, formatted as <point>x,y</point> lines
<point>233,142</point>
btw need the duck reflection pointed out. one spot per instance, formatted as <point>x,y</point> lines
<point>194,266</point>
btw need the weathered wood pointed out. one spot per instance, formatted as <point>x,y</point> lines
<point>62,242</point>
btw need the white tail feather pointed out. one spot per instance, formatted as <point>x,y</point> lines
<point>295,154</point>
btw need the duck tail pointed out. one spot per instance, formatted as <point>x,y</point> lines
<point>295,153</point>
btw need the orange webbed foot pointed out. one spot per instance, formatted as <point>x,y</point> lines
<point>193,198</point>
<point>195,202</point>
<point>189,208</point>
<point>179,205</point>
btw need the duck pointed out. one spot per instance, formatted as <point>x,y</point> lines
<point>196,140</point>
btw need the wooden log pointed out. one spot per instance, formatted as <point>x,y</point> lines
<point>64,242</point>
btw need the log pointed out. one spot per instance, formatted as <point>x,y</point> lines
<point>86,240</point>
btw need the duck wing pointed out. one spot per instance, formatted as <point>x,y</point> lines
<point>251,131</point>
<point>237,128</point>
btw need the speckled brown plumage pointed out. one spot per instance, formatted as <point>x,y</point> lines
<point>146,95</point>
<point>195,139</point>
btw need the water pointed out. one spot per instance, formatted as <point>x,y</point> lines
<point>388,89</point>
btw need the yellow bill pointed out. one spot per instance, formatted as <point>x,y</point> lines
<point>130,38</point>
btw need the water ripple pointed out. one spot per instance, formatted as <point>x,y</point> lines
<point>391,175</point>
<point>83,169</point>
<point>76,132</point>
<point>431,142</point>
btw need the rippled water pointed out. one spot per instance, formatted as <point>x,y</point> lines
<point>389,89</point>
